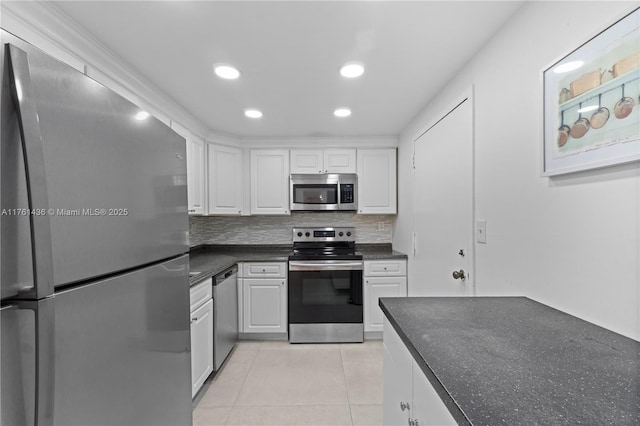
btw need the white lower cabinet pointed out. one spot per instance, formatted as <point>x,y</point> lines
<point>408,396</point>
<point>201,344</point>
<point>264,297</point>
<point>265,305</point>
<point>382,278</point>
<point>374,289</point>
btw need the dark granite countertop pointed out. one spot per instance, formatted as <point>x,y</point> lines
<point>511,360</point>
<point>379,252</point>
<point>210,260</point>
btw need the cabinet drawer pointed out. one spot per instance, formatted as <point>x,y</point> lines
<point>199,294</point>
<point>385,268</point>
<point>265,270</point>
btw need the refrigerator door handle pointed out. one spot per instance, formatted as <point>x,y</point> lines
<point>33,149</point>
<point>44,357</point>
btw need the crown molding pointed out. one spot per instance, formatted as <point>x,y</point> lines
<point>318,141</point>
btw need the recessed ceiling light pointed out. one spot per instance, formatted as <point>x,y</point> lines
<point>342,112</point>
<point>352,70</point>
<point>253,113</point>
<point>569,66</point>
<point>226,71</point>
<point>142,115</point>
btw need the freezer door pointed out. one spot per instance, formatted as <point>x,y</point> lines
<point>116,191</point>
<point>123,350</point>
<point>17,399</point>
<point>26,363</point>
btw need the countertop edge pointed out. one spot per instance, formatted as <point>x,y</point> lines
<point>454,409</point>
<point>247,253</point>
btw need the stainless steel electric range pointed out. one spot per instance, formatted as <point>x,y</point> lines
<point>325,286</point>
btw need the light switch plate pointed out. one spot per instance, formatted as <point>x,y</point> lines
<point>481,231</point>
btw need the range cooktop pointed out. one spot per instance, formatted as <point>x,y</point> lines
<point>324,243</point>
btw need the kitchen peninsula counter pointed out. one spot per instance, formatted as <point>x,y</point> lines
<point>210,260</point>
<point>511,360</point>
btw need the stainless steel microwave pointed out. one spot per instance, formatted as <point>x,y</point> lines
<point>324,192</point>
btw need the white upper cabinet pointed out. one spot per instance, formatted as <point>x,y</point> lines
<point>270,182</point>
<point>307,161</point>
<point>224,172</point>
<point>196,175</point>
<point>314,161</point>
<point>377,181</point>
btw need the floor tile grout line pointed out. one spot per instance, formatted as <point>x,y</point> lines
<point>346,384</point>
<point>244,380</point>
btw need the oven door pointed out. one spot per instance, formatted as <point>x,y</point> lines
<point>325,298</point>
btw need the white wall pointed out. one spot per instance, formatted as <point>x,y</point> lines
<point>572,241</point>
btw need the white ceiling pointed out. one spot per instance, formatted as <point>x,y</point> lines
<point>289,53</point>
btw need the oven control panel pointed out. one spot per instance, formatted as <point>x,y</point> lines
<point>324,234</point>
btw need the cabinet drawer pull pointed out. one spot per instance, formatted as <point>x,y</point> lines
<point>404,406</point>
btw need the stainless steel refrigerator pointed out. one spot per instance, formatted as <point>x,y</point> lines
<point>94,263</point>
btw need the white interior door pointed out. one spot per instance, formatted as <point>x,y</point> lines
<point>443,206</point>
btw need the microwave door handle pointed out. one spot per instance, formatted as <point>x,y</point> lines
<point>33,149</point>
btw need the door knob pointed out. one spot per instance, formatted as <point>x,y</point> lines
<point>459,275</point>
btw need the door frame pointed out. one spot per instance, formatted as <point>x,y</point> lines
<point>468,96</point>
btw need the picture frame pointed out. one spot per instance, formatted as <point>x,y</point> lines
<point>592,102</point>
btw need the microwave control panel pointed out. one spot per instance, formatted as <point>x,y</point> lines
<point>346,193</point>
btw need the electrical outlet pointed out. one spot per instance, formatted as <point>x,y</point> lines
<point>380,226</point>
<point>481,231</point>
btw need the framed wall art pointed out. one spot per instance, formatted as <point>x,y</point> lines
<point>592,102</point>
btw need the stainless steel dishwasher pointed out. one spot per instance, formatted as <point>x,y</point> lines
<point>225,314</point>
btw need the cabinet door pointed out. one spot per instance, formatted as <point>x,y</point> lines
<point>375,288</point>
<point>397,379</point>
<point>307,161</point>
<point>240,300</point>
<point>377,181</point>
<point>201,345</point>
<point>339,160</point>
<point>195,175</point>
<point>428,408</point>
<point>270,182</point>
<point>224,166</point>
<point>265,305</point>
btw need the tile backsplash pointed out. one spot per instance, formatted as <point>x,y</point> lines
<point>370,229</point>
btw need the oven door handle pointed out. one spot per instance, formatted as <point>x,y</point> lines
<point>322,265</point>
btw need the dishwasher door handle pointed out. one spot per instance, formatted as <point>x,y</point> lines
<point>221,277</point>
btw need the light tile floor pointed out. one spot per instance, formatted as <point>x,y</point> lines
<point>277,383</point>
